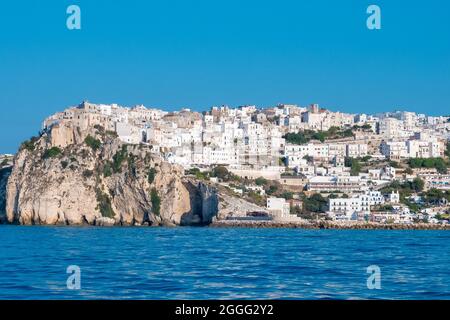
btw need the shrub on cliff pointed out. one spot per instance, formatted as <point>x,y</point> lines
<point>131,160</point>
<point>53,152</point>
<point>112,134</point>
<point>64,164</point>
<point>118,158</point>
<point>95,144</point>
<point>104,204</point>
<point>29,144</point>
<point>107,169</point>
<point>151,175</point>
<point>88,173</point>
<point>156,201</point>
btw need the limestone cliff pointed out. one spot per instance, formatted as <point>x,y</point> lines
<point>69,176</point>
<point>4,174</point>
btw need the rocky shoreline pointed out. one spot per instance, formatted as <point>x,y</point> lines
<point>327,225</point>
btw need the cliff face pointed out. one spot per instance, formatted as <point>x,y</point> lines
<point>72,177</point>
<point>4,174</point>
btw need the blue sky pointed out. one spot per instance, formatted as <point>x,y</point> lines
<point>198,53</point>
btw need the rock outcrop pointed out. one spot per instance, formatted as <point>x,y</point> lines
<point>230,206</point>
<point>4,175</point>
<point>71,176</point>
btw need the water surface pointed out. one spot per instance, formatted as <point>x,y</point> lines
<point>222,263</point>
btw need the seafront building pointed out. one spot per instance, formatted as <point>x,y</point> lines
<point>248,136</point>
<point>251,143</point>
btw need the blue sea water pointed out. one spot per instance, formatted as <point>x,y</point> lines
<point>222,263</point>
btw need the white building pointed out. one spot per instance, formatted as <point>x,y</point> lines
<point>278,207</point>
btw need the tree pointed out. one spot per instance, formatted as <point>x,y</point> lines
<point>319,136</point>
<point>297,138</point>
<point>315,203</point>
<point>438,163</point>
<point>287,195</point>
<point>417,185</point>
<point>220,172</point>
<point>355,166</point>
<point>260,181</point>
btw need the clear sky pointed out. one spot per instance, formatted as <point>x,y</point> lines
<point>198,53</point>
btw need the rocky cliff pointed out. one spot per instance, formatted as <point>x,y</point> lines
<point>4,174</point>
<point>72,177</point>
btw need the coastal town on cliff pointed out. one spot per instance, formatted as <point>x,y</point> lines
<point>285,165</point>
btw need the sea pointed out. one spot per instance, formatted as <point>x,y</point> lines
<point>40,262</point>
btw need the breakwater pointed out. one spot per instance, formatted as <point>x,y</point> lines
<point>329,225</point>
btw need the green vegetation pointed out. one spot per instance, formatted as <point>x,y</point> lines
<point>438,163</point>
<point>447,150</point>
<point>99,128</point>
<point>272,189</point>
<point>364,127</point>
<point>95,144</point>
<point>107,169</point>
<point>316,203</point>
<point>442,216</point>
<point>296,210</point>
<point>29,144</point>
<point>4,163</point>
<point>156,201</point>
<point>64,164</point>
<point>119,157</point>
<point>383,208</point>
<point>287,195</point>
<point>303,137</point>
<point>365,159</point>
<point>222,173</point>
<point>131,160</point>
<point>112,134</point>
<point>256,198</point>
<point>405,190</point>
<point>53,152</point>
<point>394,164</point>
<point>88,173</point>
<point>354,165</point>
<point>260,181</point>
<point>104,205</point>
<point>434,196</point>
<point>201,175</point>
<point>151,175</point>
